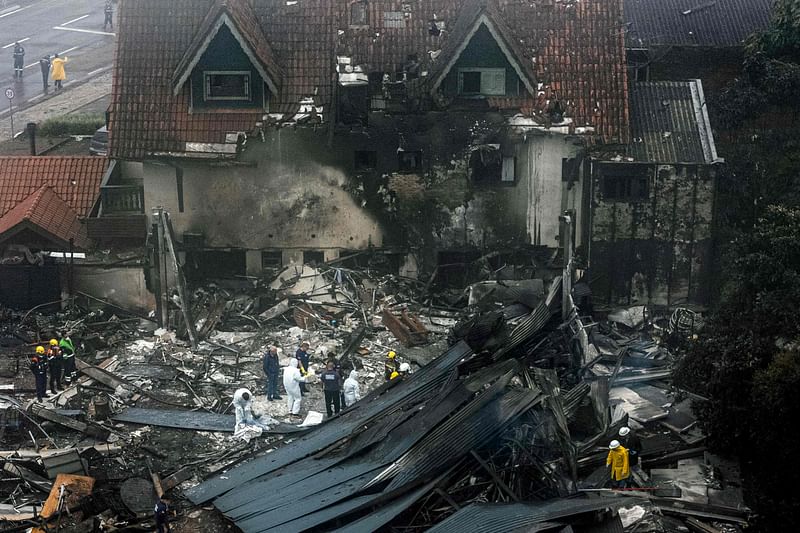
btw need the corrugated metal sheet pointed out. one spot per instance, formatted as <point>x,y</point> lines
<point>499,518</point>
<point>694,22</point>
<point>430,377</point>
<point>666,123</point>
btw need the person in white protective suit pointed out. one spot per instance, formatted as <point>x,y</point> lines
<point>352,392</point>
<point>248,425</point>
<point>291,382</point>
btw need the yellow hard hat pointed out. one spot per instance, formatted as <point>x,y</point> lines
<point>391,355</point>
<point>53,342</point>
<point>394,375</point>
<point>40,349</point>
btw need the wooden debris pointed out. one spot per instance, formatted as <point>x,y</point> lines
<point>276,310</point>
<point>52,416</point>
<point>406,328</point>
<point>75,489</point>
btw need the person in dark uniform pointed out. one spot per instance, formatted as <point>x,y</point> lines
<point>303,360</point>
<point>19,60</point>
<point>631,441</point>
<point>38,367</point>
<point>44,64</point>
<point>109,13</point>
<point>272,369</point>
<point>55,363</point>
<point>332,386</point>
<point>161,515</point>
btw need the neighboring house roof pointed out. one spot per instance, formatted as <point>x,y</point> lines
<point>573,50</point>
<point>241,20</point>
<point>711,23</point>
<point>44,212</point>
<point>76,179</point>
<point>669,123</point>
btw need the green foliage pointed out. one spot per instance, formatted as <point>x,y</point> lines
<point>743,366</point>
<point>71,125</point>
<point>782,38</point>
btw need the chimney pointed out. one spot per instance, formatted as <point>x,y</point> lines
<point>32,136</point>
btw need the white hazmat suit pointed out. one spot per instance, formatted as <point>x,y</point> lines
<point>248,425</point>
<point>352,392</point>
<point>291,382</point>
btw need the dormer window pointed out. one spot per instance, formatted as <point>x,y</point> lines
<point>224,85</point>
<point>481,81</point>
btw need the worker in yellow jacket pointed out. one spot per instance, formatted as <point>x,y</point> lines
<point>620,466</point>
<point>57,70</point>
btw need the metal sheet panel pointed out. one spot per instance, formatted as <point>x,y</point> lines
<point>194,420</point>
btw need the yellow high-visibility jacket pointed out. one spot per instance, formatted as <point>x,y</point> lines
<point>57,65</point>
<point>618,459</point>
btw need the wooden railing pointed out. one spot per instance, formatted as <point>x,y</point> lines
<point>122,199</point>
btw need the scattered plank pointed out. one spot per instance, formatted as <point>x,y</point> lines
<point>75,489</point>
<point>48,414</point>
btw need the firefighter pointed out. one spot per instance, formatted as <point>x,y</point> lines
<point>55,362</point>
<point>390,366</point>
<point>38,365</point>
<point>68,355</point>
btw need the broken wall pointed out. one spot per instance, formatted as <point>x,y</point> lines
<point>122,286</point>
<point>657,250</point>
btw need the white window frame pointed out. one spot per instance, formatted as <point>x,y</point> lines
<point>486,89</point>
<point>248,80</point>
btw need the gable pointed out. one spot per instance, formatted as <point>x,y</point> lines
<point>483,52</point>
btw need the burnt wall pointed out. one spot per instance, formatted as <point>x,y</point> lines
<point>656,249</point>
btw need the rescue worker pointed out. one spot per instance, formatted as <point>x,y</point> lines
<point>303,360</point>
<point>161,515</point>
<point>243,409</point>
<point>331,385</point>
<point>352,391</point>
<point>292,379</point>
<point>44,66</point>
<point>68,355</point>
<point>38,366</point>
<point>395,374</point>
<point>631,442</point>
<point>620,467</point>
<point>55,362</point>
<point>108,11</point>
<point>390,365</point>
<point>59,74</point>
<point>19,60</point>
<point>405,369</point>
<point>272,368</point>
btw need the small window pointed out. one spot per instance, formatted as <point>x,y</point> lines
<point>482,81</point>
<point>227,85</point>
<point>394,19</point>
<point>621,184</point>
<point>509,170</point>
<point>409,162</point>
<point>486,164</point>
<point>365,159</point>
<point>313,257</point>
<point>358,14</point>
<point>271,259</point>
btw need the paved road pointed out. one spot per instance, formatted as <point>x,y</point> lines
<point>71,28</point>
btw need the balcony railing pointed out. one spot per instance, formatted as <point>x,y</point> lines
<point>122,199</point>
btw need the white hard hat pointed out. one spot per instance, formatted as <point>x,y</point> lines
<point>405,367</point>
<point>624,430</point>
<point>614,444</point>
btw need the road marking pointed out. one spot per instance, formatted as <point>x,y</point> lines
<point>68,50</point>
<point>95,71</point>
<point>9,8</point>
<point>35,98</point>
<point>9,45</point>
<point>94,32</point>
<point>12,12</point>
<point>67,23</point>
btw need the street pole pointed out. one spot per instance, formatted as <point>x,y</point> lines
<point>10,96</point>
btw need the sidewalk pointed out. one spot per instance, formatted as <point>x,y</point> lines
<point>68,100</point>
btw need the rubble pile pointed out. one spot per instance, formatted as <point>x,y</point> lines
<point>504,421</point>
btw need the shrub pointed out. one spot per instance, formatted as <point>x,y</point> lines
<point>71,125</point>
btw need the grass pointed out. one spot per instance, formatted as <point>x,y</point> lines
<point>71,125</point>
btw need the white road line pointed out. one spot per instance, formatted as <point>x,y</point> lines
<point>9,8</point>
<point>95,71</point>
<point>9,45</point>
<point>12,12</point>
<point>68,50</point>
<point>32,65</point>
<point>67,23</point>
<point>94,32</point>
<point>35,98</point>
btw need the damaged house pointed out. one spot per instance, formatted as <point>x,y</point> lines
<point>446,133</point>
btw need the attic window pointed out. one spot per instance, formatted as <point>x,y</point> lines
<point>625,183</point>
<point>358,14</point>
<point>227,85</point>
<point>394,19</point>
<point>482,81</point>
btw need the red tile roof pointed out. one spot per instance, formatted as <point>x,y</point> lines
<point>46,213</point>
<point>574,48</point>
<point>76,179</point>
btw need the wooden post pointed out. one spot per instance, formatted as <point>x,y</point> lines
<point>182,292</point>
<point>566,277</point>
<point>162,269</point>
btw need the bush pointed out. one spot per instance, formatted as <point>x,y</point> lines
<point>71,125</point>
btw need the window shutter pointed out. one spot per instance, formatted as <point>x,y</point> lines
<point>508,174</point>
